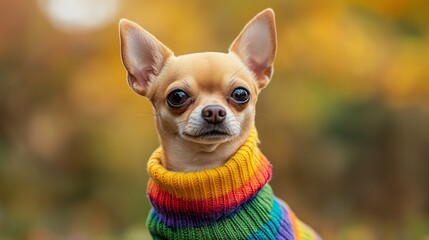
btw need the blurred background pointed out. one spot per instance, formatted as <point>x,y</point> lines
<point>345,120</point>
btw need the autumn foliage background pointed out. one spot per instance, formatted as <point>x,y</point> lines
<point>345,120</point>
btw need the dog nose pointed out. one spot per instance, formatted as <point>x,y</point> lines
<point>214,114</point>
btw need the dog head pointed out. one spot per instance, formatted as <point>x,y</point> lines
<point>202,99</point>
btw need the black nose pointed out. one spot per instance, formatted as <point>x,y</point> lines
<point>214,114</point>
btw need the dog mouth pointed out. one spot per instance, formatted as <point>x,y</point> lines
<point>209,135</point>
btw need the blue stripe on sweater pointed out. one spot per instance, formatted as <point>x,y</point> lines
<point>279,227</point>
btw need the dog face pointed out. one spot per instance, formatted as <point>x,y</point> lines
<point>202,98</point>
<point>205,98</point>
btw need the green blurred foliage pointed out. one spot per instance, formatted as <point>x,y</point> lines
<point>344,120</point>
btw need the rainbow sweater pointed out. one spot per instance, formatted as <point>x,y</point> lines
<point>233,201</point>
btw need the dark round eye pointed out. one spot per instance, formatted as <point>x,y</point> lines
<point>240,95</point>
<point>177,98</point>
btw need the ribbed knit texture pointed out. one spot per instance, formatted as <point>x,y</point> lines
<point>232,201</point>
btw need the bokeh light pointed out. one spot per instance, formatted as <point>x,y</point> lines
<point>74,15</point>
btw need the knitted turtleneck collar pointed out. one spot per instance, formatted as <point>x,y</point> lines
<point>225,187</point>
<point>233,200</point>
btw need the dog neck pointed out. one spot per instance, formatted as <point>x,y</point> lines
<point>180,155</point>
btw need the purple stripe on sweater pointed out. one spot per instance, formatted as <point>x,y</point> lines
<point>286,228</point>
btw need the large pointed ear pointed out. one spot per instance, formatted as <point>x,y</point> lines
<point>256,46</point>
<point>142,55</point>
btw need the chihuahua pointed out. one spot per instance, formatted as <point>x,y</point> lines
<point>204,106</point>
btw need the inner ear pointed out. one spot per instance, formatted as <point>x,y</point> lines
<point>256,46</point>
<point>142,55</point>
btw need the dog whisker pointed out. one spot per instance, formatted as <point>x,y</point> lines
<point>235,73</point>
<point>265,116</point>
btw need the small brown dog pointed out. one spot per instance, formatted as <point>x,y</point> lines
<point>205,111</point>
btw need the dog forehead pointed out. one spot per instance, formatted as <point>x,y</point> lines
<point>210,69</point>
<point>206,60</point>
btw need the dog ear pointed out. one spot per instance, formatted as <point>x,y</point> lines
<point>142,55</point>
<point>256,46</point>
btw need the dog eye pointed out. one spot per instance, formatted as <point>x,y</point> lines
<point>240,95</point>
<point>177,98</point>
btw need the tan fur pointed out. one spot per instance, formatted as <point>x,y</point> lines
<point>208,79</point>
